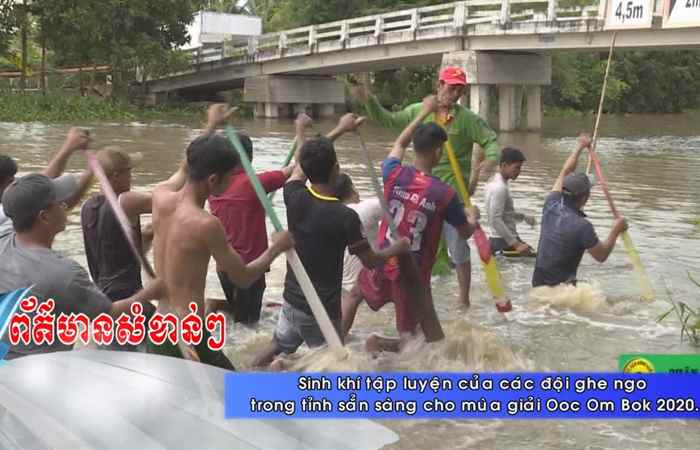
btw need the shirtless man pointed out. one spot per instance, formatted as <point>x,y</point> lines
<point>186,236</point>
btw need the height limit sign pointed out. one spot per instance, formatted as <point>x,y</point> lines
<point>628,14</point>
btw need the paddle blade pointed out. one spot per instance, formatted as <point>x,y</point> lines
<point>647,290</point>
<point>493,276</point>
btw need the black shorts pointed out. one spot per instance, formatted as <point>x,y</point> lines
<point>206,355</point>
<point>244,303</point>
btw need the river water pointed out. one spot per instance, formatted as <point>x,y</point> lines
<point>651,164</point>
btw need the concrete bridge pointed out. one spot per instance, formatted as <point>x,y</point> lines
<point>504,44</point>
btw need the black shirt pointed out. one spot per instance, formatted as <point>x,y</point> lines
<point>113,266</point>
<point>322,229</point>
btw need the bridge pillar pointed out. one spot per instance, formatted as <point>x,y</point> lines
<point>326,110</point>
<point>534,107</point>
<point>513,74</point>
<point>479,99</point>
<point>321,94</point>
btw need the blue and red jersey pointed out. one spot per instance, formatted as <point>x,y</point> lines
<point>419,203</point>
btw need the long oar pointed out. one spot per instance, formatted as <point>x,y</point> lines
<point>410,277</point>
<point>324,323</point>
<point>493,276</point>
<point>124,223</point>
<point>600,103</point>
<point>647,290</point>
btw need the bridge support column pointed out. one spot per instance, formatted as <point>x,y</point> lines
<point>513,73</point>
<point>479,99</point>
<point>509,101</point>
<point>300,108</point>
<point>326,110</point>
<point>301,92</point>
<point>534,107</point>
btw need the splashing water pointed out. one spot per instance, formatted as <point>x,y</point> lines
<point>583,297</point>
<point>466,348</point>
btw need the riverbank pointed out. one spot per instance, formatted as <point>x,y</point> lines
<point>59,107</point>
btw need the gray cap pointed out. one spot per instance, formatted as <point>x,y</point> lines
<point>577,184</point>
<point>29,195</point>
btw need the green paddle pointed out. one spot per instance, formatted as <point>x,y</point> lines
<point>319,312</point>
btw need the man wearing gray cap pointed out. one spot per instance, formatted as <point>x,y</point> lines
<point>565,232</point>
<point>36,205</point>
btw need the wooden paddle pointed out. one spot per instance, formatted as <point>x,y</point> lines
<point>317,308</point>
<point>647,290</point>
<point>125,224</point>
<point>409,273</point>
<point>488,262</point>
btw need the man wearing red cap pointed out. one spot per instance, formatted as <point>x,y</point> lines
<point>464,129</point>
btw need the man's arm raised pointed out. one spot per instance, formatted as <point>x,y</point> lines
<point>77,139</point>
<point>404,140</point>
<point>571,162</point>
<point>396,121</point>
<point>301,123</point>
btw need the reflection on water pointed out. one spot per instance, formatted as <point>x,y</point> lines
<point>651,164</point>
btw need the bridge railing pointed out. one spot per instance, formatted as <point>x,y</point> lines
<point>450,19</point>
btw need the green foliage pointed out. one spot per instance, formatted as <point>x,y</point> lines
<point>123,33</point>
<point>659,82</point>
<point>402,87</point>
<point>59,107</point>
<point>688,317</point>
<point>8,23</point>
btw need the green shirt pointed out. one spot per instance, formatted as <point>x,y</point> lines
<point>465,129</point>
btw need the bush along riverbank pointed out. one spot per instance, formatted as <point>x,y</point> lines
<point>59,107</point>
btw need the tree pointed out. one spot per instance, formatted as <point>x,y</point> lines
<point>8,24</point>
<point>124,33</point>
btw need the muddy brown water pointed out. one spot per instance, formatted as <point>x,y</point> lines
<point>652,164</point>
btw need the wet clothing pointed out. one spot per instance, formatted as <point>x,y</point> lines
<point>322,228</point>
<point>419,204</point>
<point>370,213</point>
<point>113,266</point>
<point>244,303</point>
<point>565,235</point>
<point>205,354</point>
<point>243,218</point>
<point>53,277</point>
<point>502,217</point>
<point>242,214</point>
<point>295,327</point>
<point>464,130</point>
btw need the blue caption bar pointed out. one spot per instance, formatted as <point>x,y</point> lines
<point>415,395</point>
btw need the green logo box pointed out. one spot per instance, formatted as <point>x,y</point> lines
<point>652,363</point>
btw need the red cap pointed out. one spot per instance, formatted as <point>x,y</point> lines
<point>453,75</point>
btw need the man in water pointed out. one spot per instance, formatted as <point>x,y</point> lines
<point>565,232</point>
<point>37,206</point>
<point>465,128</point>
<point>186,237</point>
<point>370,213</point>
<point>501,214</point>
<point>112,263</point>
<point>419,204</point>
<point>323,228</point>
<point>77,139</point>
<point>243,218</point>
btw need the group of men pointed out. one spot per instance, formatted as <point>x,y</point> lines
<point>327,226</point>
